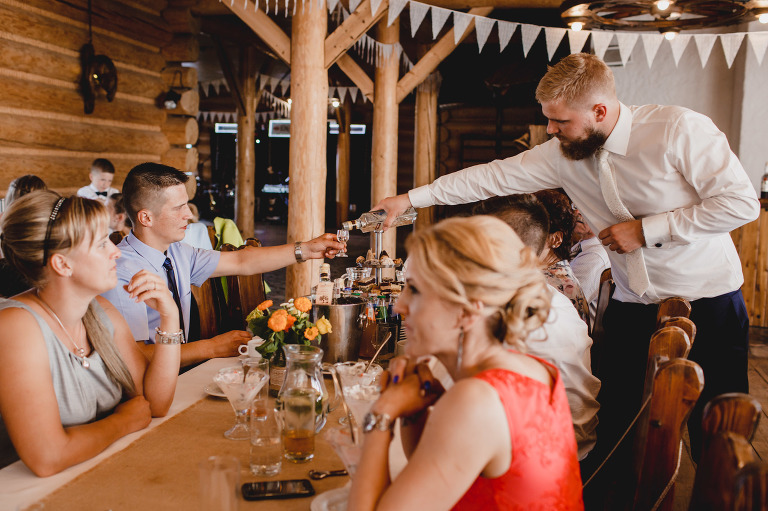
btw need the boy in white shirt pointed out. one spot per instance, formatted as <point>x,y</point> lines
<point>102,173</point>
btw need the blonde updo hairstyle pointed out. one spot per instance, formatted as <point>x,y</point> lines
<point>24,227</point>
<point>481,259</point>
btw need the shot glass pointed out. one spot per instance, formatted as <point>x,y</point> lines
<point>298,417</point>
<point>219,483</point>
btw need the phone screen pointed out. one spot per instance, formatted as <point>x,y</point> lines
<point>292,488</point>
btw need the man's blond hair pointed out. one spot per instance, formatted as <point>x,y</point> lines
<point>576,80</point>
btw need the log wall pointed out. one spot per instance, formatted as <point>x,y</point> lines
<point>43,128</point>
<point>752,244</point>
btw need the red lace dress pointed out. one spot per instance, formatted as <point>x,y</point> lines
<point>544,473</point>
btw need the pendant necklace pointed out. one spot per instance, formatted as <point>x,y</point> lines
<point>80,352</point>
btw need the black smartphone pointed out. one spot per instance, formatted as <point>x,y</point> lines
<point>287,489</point>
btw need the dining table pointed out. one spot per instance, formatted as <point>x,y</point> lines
<point>157,468</point>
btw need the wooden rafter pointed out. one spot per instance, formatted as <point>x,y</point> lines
<point>265,28</point>
<point>357,74</point>
<point>348,33</point>
<point>229,75</point>
<point>429,62</point>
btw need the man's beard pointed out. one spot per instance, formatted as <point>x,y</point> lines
<point>585,147</point>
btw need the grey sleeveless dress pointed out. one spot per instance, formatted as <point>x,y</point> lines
<point>84,395</point>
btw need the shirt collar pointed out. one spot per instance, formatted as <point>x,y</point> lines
<point>618,140</point>
<point>153,256</point>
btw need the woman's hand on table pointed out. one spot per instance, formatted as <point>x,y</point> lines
<point>135,413</point>
<point>407,388</point>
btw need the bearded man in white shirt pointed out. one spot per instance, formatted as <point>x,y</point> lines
<point>662,188</point>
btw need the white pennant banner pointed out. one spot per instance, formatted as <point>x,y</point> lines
<point>626,42</point>
<point>758,41</point>
<point>704,44</point>
<point>353,5</point>
<point>417,14</point>
<point>332,5</point>
<point>576,40</point>
<point>600,41</point>
<point>353,94</point>
<point>374,6</point>
<point>395,6</point>
<point>678,45</point>
<point>331,91</point>
<point>553,36</point>
<point>460,24</point>
<point>439,15</point>
<point>342,92</point>
<point>483,27</point>
<point>731,44</point>
<point>651,43</point>
<point>529,33</point>
<point>273,82</point>
<point>506,29</point>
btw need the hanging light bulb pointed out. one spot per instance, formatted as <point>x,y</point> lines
<point>577,26</point>
<point>669,35</point>
<point>335,103</point>
<point>663,5</point>
<point>763,18</point>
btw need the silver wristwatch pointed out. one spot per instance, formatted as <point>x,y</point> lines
<point>379,421</point>
<point>169,337</point>
<point>298,253</point>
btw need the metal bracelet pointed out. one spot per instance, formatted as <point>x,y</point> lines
<point>162,337</point>
<point>297,252</point>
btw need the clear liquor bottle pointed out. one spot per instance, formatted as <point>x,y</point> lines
<point>372,220</point>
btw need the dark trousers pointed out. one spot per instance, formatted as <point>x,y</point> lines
<point>720,348</point>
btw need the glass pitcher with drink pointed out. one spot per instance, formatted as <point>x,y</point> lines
<point>303,370</point>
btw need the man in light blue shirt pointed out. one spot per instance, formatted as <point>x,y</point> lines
<point>156,201</point>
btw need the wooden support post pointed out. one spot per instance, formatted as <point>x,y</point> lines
<point>425,143</point>
<point>309,114</point>
<point>246,157</point>
<point>385,119</point>
<point>344,117</point>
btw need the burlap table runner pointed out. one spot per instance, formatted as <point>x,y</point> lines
<point>160,470</point>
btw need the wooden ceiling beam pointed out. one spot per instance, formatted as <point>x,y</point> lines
<point>229,74</point>
<point>429,62</point>
<point>348,33</point>
<point>460,5</point>
<point>269,32</point>
<point>357,74</point>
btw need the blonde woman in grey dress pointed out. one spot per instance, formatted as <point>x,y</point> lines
<point>73,380</point>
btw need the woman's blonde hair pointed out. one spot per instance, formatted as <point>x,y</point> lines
<point>576,80</point>
<point>25,240</point>
<point>481,259</point>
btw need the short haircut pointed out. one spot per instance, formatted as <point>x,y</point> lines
<point>562,217</point>
<point>102,165</point>
<point>575,80</point>
<point>524,213</point>
<point>144,185</point>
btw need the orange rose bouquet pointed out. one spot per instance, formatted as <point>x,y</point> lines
<point>288,324</point>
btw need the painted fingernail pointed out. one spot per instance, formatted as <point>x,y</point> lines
<point>396,379</point>
<point>427,385</point>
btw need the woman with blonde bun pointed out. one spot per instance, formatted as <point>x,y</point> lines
<point>501,437</point>
<point>73,380</point>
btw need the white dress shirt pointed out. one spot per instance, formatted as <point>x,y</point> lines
<point>587,266</point>
<point>89,192</point>
<point>564,342</point>
<point>674,170</point>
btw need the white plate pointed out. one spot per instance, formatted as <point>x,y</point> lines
<point>212,389</point>
<point>332,500</point>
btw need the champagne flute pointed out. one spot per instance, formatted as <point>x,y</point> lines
<point>342,235</point>
<point>241,388</point>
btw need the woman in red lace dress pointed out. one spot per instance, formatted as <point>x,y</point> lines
<point>501,436</point>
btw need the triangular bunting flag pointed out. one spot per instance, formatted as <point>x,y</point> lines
<point>651,43</point>
<point>331,91</point>
<point>506,30</point>
<point>353,4</point>
<point>483,27</point>
<point>342,92</point>
<point>273,83</point>
<point>395,6</point>
<point>529,33</point>
<point>460,23</point>
<point>678,45</point>
<point>600,41</point>
<point>332,5</point>
<point>553,36</point>
<point>353,94</point>
<point>418,11</point>
<point>758,41</point>
<point>704,43</point>
<point>439,15</point>
<point>374,6</point>
<point>576,40</point>
<point>731,44</point>
<point>627,41</point>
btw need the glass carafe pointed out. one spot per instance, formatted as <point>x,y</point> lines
<point>303,369</point>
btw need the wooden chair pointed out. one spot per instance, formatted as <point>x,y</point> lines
<point>212,236</point>
<point>667,343</point>
<point>735,412</point>
<point>686,324</point>
<point>245,292</point>
<point>674,307</point>
<point>605,292</point>
<point>751,487</point>
<point>209,304</point>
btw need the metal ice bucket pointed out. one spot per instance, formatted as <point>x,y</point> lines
<point>346,317</point>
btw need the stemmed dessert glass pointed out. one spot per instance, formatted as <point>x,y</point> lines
<point>343,236</point>
<point>241,388</point>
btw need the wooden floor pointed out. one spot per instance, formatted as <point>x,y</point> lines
<point>758,388</point>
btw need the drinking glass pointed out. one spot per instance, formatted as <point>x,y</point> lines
<point>241,388</point>
<point>298,417</point>
<point>266,447</point>
<point>360,388</point>
<point>257,364</point>
<point>219,483</point>
<point>343,236</point>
